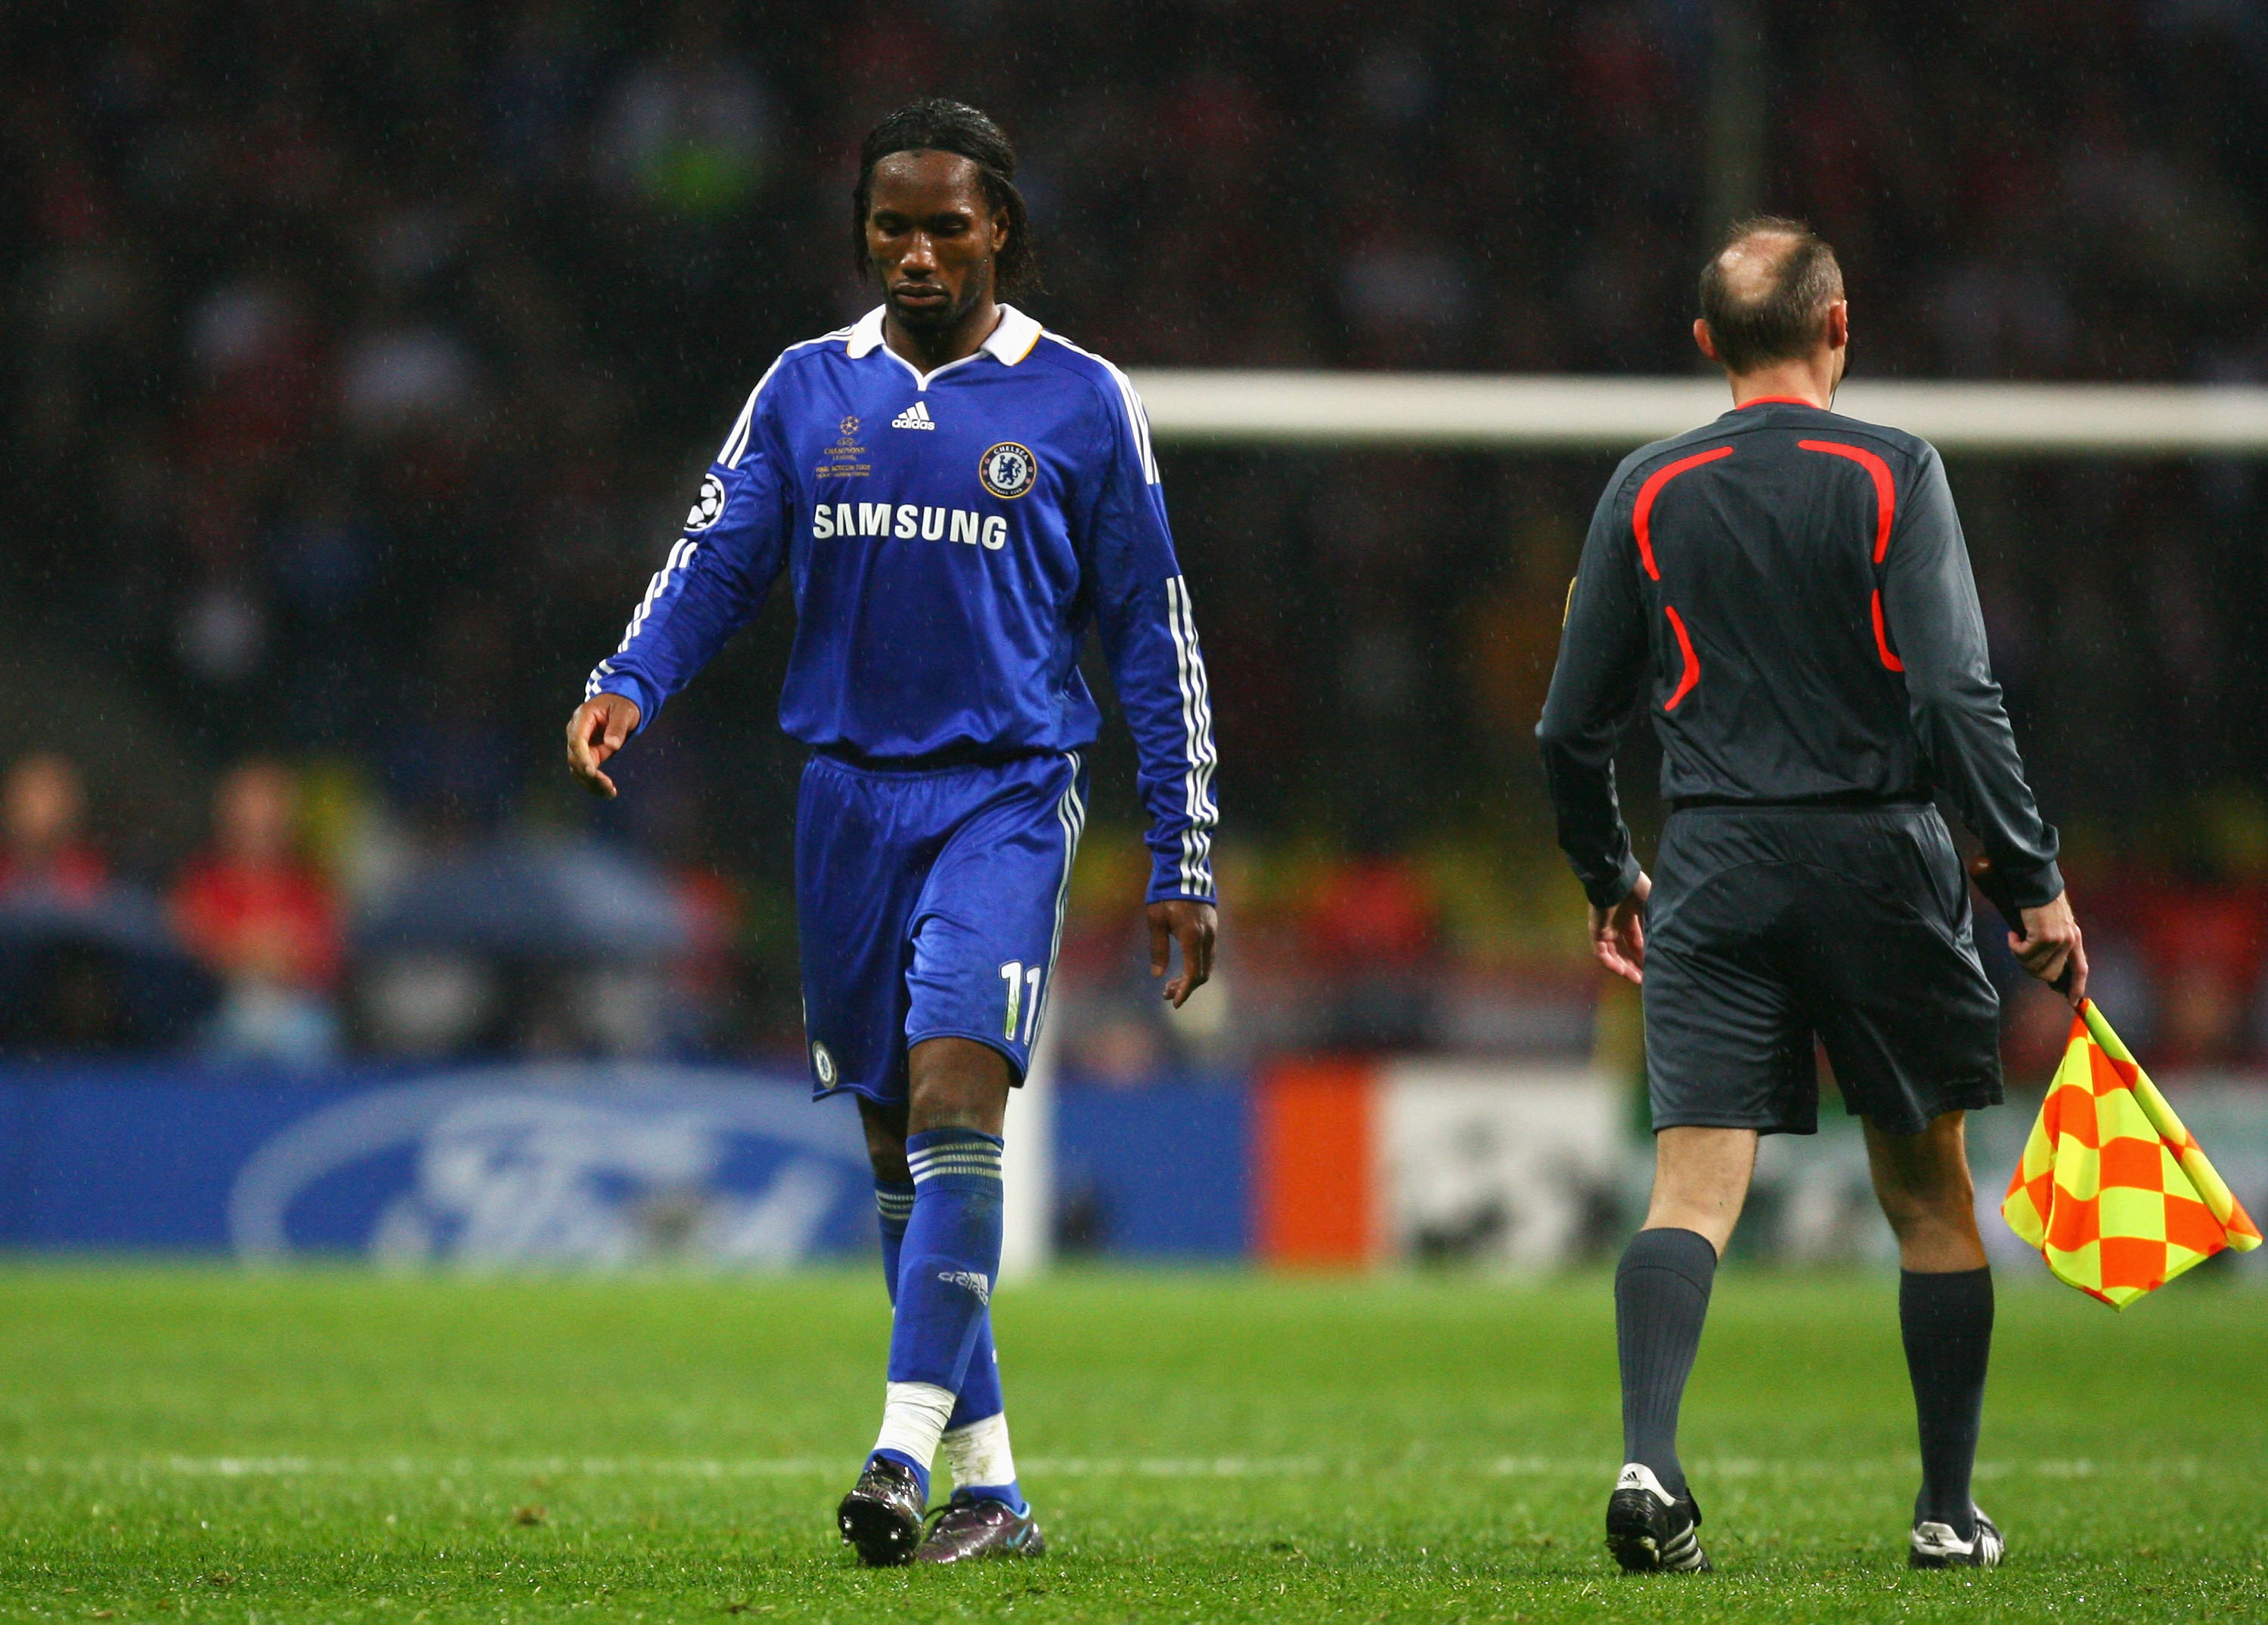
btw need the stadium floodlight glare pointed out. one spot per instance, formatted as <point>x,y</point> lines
<point>1589,413</point>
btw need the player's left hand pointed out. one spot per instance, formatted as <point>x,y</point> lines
<point>1618,934</point>
<point>1193,925</point>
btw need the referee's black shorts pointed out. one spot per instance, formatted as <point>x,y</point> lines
<point>1769,927</point>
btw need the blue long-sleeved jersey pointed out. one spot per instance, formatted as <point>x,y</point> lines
<point>948,538</point>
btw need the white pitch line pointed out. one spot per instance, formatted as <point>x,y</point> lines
<point>1210,1467</point>
<point>603,1466</point>
<point>251,1467</point>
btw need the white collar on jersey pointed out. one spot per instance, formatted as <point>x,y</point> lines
<point>1011,340</point>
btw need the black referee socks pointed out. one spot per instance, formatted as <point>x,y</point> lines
<point>1946,1321</point>
<point>1661,1297</point>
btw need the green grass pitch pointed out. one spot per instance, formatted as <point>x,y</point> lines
<point>193,1443</point>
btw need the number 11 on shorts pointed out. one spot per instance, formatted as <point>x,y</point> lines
<point>1019,977</point>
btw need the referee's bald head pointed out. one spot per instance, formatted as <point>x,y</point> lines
<point>1765,294</point>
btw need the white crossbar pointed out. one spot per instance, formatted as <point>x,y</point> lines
<point>1615,414</point>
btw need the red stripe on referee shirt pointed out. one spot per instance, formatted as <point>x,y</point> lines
<point>1886,496</point>
<point>1642,515</point>
<point>1886,509</point>
<point>1692,662</point>
<point>1891,662</point>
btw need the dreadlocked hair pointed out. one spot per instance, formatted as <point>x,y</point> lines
<point>938,124</point>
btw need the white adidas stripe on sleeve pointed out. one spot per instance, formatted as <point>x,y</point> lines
<point>1198,803</point>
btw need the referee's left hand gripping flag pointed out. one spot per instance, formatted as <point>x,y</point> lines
<point>2113,1190</point>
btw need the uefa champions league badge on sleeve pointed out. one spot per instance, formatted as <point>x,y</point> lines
<point>823,1065</point>
<point>708,508</point>
<point>1008,469</point>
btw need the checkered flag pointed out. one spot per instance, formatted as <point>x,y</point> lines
<point>2116,1194</point>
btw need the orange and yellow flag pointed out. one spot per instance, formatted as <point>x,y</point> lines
<point>2113,1190</point>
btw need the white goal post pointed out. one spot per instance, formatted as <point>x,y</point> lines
<point>1469,411</point>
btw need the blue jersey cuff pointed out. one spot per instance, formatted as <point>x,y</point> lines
<point>635,692</point>
<point>1177,895</point>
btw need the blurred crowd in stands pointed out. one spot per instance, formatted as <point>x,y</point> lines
<point>295,932</point>
<point>361,357</point>
<point>265,944</point>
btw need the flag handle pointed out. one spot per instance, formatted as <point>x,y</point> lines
<point>2219,1199</point>
<point>2100,1030</point>
<point>2155,1106</point>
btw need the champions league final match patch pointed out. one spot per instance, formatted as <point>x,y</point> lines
<point>709,507</point>
<point>1008,469</point>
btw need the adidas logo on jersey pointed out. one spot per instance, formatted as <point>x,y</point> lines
<point>915,416</point>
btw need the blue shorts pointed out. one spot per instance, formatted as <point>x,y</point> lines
<point>931,904</point>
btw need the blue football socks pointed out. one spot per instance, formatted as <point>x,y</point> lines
<point>893,1206</point>
<point>980,1390</point>
<point>942,1257</point>
<point>949,1257</point>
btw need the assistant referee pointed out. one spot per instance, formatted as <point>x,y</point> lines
<point>1788,592</point>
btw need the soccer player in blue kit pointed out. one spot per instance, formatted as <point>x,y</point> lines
<point>955,495</point>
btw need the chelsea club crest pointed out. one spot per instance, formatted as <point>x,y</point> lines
<point>822,1063</point>
<point>1008,469</point>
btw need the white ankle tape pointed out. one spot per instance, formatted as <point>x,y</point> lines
<point>979,1453</point>
<point>914,1415</point>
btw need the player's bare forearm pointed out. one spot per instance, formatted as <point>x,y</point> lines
<point>1618,934</point>
<point>1195,926</point>
<point>597,730</point>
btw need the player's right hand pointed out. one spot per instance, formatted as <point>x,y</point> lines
<point>2051,942</point>
<point>595,732</point>
<point>1618,934</point>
